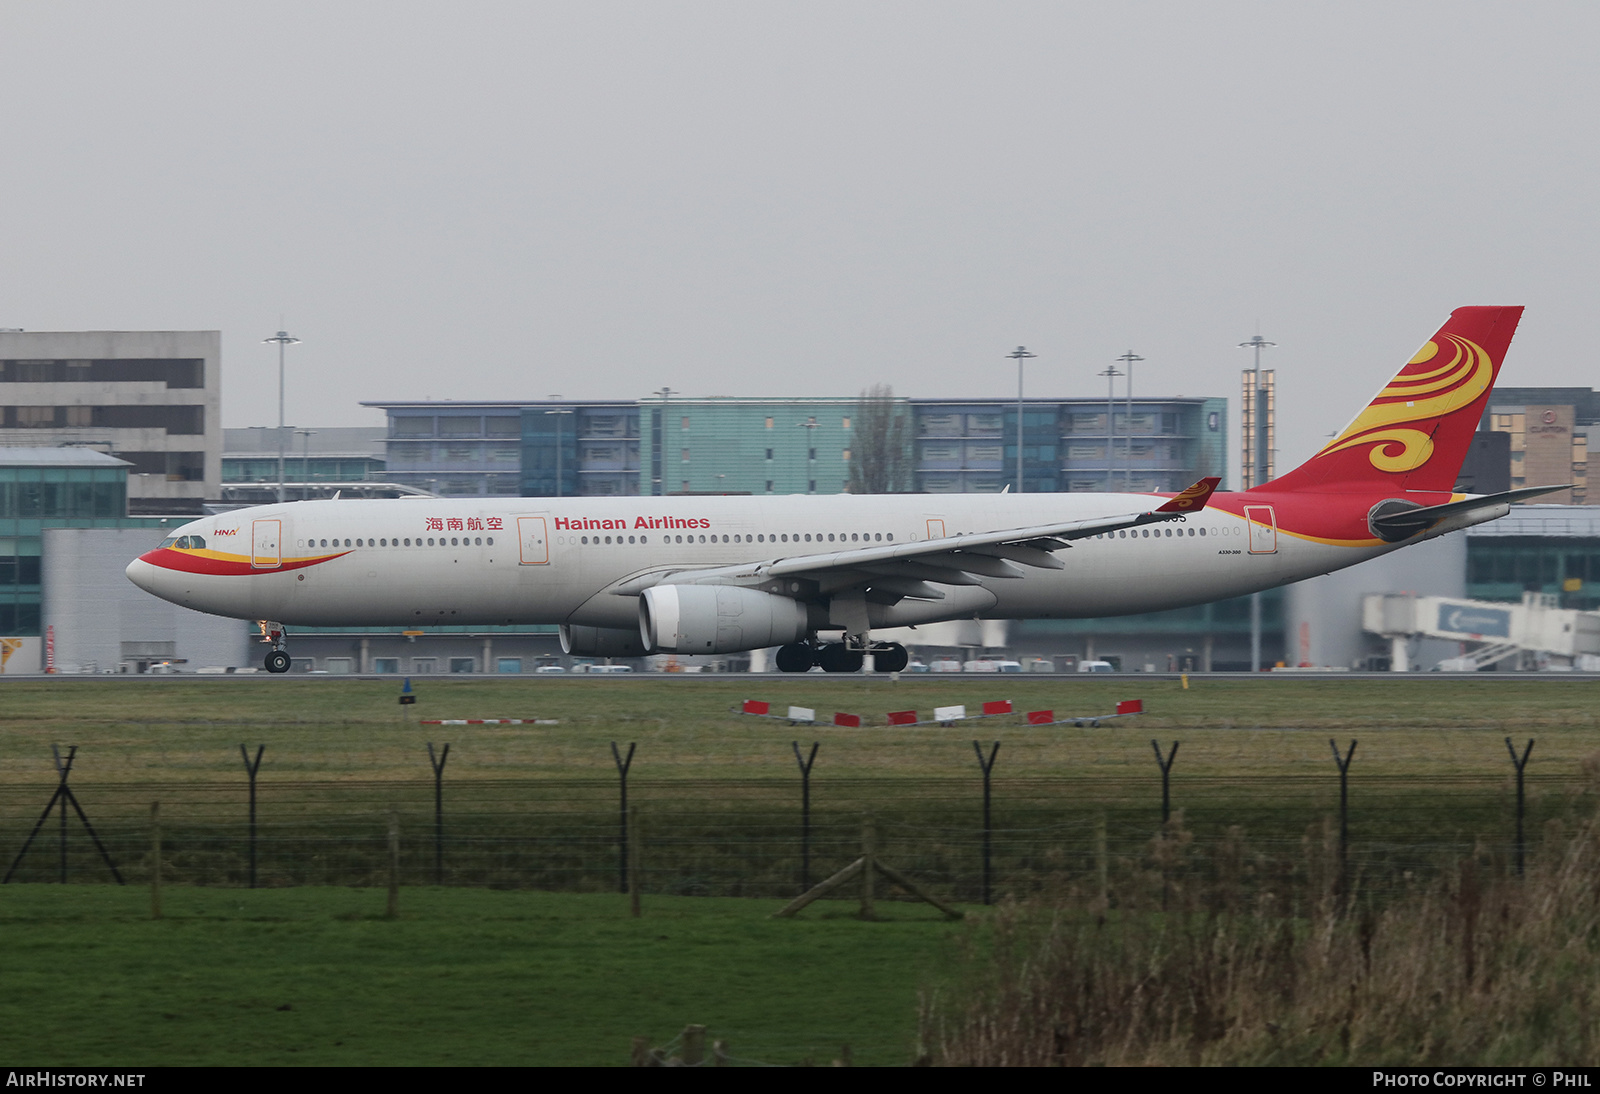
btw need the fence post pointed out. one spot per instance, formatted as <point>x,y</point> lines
<point>64,795</point>
<point>1102,866</point>
<point>635,853</point>
<point>805,811</point>
<point>1521,765</point>
<point>251,769</point>
<point>869,856</point>
<point>62,771</point>
<point>393,911</point>
<point>155,860</point>
<point>1166,772</point>
<point>437,763</point>
<point>622,813</point>
<point>988,829</point>
<point>694,1046</point>
<point>1344,809</point>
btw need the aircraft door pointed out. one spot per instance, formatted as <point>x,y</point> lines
<point>265,537</point>
<point>935,527</point>
<point>1263,529</point>
<point>533,541</point>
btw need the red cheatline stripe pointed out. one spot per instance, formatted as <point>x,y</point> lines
<point>234,566</point>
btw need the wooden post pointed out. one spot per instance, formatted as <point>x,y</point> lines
<point>155,860</point>
<point>634,854</point>
<point>869,856</point>
<point>694,1046</point>
<point>1102,868</point>
<point>394,864</point>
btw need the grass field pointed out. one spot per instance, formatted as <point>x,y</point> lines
<point>464,977</point>
<point>172,729</point>
<point>534,809</point>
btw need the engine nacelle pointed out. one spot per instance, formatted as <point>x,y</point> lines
<point>717,619</point>
<point>600,641</point>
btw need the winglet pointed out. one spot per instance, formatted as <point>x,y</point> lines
<point>1193,499</point>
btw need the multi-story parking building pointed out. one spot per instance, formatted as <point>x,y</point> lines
<point>149,398</point>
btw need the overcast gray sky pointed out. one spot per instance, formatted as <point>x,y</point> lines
<point>508,200</point>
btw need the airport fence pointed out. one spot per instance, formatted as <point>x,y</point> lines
<point>773,837</point>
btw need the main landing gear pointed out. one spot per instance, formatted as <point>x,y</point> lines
<point>277,660</point>
<point>838,657</point>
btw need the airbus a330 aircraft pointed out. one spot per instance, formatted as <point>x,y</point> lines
<point>634,575</point>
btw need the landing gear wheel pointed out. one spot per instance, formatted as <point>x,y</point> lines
<point>796,657</point>
<point>277,661</point>
<point>837,657</point>
<point>892,658</point>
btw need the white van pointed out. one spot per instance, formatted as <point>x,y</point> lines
<point>1096,666</point>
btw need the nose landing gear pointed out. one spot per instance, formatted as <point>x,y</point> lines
<point>277,660</point>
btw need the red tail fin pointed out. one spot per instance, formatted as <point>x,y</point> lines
<point>1415,434</point>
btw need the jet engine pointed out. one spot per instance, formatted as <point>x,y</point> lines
<point>717,619</point>
<point>600,641</point>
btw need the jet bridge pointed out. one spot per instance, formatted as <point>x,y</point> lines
<point>1534,633</point>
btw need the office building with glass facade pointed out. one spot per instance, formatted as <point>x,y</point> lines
<point>43,488</point>
<point>799,446</point>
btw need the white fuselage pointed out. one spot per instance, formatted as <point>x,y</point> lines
<point>485,561</point>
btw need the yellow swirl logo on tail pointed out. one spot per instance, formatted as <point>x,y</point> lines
<point>1423,396</point>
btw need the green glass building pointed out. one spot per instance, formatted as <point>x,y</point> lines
<point>52,488</point>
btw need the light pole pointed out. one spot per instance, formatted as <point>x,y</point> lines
<point>1255,475</point>
<point>810,426</point>
<point>1111,373</point>
<point>558,414</point>
<point>1019,355</point>
<point>659,470</point>
<point>283,339</point>
<point>305,436</point>
<point>1127,471</point>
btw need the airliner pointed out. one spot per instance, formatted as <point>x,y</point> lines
<point>816,575</point>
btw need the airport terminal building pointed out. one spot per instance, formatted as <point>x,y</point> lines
<point>737,445</point>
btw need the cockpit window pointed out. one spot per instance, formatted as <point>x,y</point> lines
<point>170,541</point>
<point>197,543</point>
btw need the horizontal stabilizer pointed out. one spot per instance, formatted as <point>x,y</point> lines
<point>1400,523</point>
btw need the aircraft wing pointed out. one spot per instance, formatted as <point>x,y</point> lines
<point>912,569</point>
